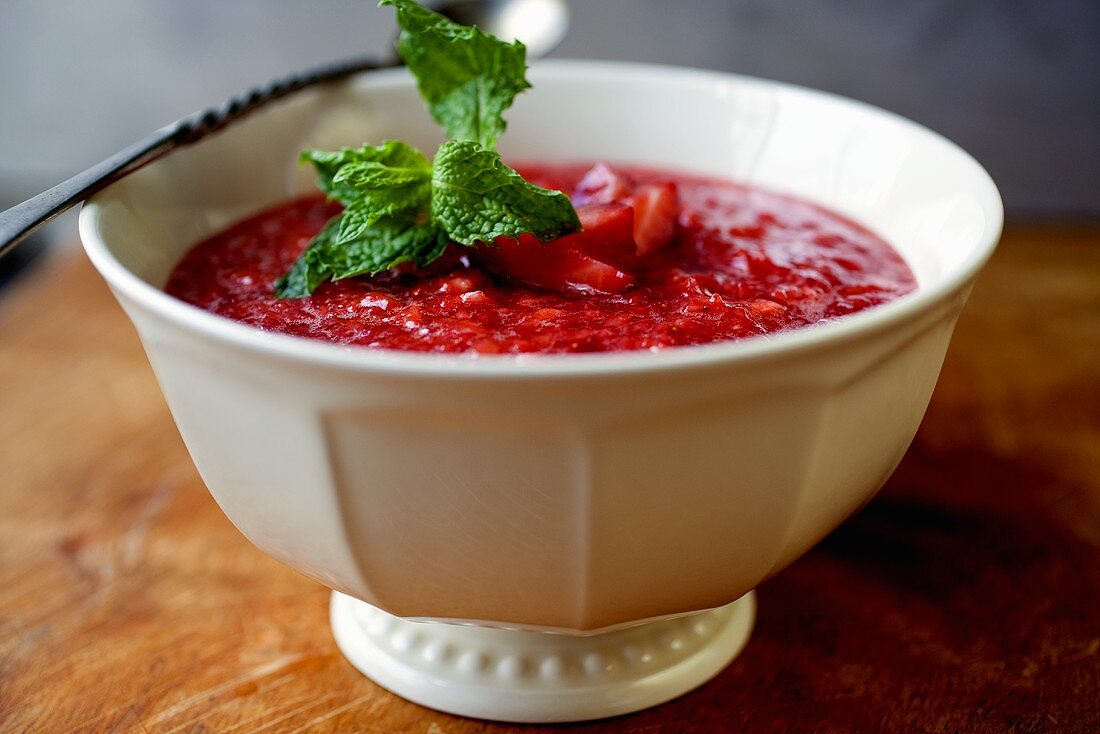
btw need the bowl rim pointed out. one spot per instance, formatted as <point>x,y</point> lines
<point>521,366</point>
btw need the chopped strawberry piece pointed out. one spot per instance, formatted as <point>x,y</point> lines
<point>656,206</point>
<point>618,223</point>
<point>587,271</point>
<point>555,265</point>
<point>607,233</point>
<point>602,185</point>
<point>656,211</point>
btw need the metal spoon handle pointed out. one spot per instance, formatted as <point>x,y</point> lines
<point>22,219</point>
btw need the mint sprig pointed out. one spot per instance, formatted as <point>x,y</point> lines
<point>400,207</point>
<point>477,198</point>
<point>468,77</point>
<point>387,244</point>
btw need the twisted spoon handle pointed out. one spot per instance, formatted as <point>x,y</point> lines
<point>22,219</point>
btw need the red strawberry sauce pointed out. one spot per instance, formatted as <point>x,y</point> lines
<point>740,262</point>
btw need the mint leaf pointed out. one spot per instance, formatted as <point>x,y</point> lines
<point>296,282</point>
<point>398,184</point>
<point>386,192</point>
<point>309,271</point>
<point>385,245</point>
<point>385,179</point>
<point>468,77</point>
<point>476,198</point>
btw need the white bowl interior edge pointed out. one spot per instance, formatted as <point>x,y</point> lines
<point>925,195</point>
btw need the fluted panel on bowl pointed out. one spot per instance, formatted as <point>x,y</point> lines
<point>867,420</point>
<point>482,521</point>
<point>259,450</point>
<point>675,529</point>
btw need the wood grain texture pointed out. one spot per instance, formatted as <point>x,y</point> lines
<point>966,597</point>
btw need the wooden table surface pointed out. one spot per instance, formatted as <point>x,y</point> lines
<point>965,598</point>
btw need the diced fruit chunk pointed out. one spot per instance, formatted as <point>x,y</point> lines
<point>607,233</point>
<point>656,211</point>
<point>553,265</point>
<point>602,185</point>
<point>619,222</point>
<point>656,206</point>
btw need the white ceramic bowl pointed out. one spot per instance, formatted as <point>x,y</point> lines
<point>557,492</point>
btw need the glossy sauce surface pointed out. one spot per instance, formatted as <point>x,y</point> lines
<point>743,262</point>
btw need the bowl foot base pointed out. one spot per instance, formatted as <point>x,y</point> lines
<point>528,676</point>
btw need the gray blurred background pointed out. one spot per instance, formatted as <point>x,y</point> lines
<point>1016,82</point>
